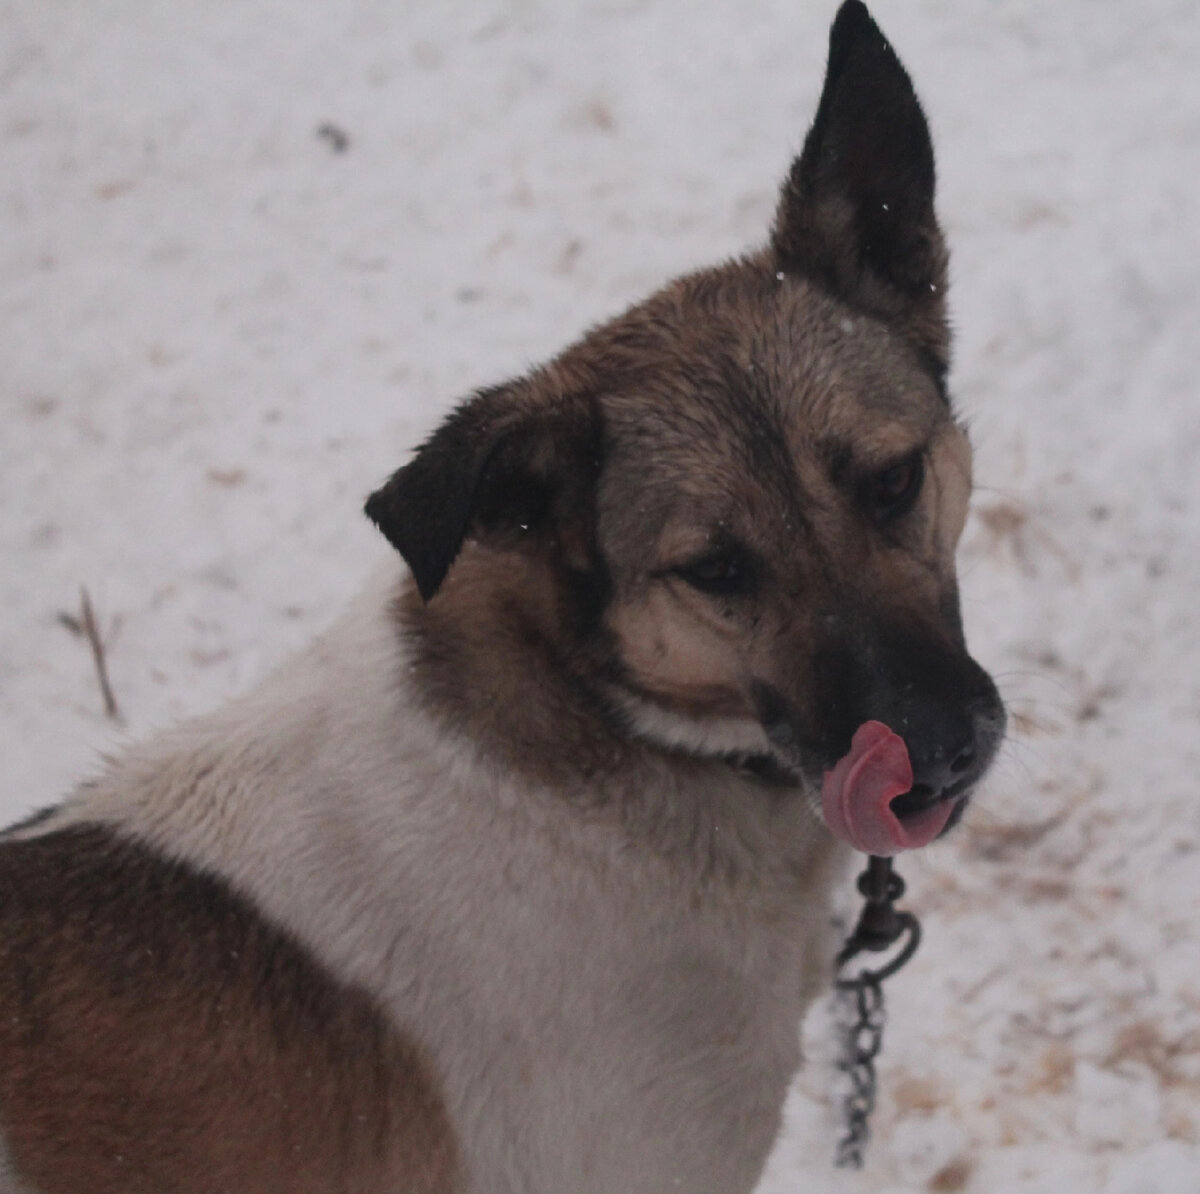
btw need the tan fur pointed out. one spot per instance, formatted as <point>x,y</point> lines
<point>182,1044</point>
<point>852,390</point>
<point>516,881</point>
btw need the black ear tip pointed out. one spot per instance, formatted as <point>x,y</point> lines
<point>375,508</point>
<point>852,23</point>
<point>380,509</point>
<point>371,507</point>
<point>426,558</point>
<point>854,31</point>
<point>852,11</point>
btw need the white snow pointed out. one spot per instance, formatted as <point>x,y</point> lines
<point>220,333</point>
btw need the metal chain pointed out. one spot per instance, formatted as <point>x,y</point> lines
<point>879,928</point>
<point>861,1043</point>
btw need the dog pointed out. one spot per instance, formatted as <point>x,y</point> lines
<point>519,880</point>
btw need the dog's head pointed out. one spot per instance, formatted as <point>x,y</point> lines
<point>744,495</point>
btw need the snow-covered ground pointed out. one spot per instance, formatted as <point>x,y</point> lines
<point>222,326</point>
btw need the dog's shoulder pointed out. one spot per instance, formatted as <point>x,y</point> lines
<point>148,1007</point>
<point>232,789</point>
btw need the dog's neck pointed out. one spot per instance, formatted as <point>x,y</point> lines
<point>489,655</point>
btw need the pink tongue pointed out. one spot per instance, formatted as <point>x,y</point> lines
<point>856,795</point>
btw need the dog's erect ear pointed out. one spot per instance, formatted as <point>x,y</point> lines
<point>509,461</point>
<point>856,212</point>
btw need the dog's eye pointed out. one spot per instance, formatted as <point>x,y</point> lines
<point>723,572</point>
<point>894,491</point>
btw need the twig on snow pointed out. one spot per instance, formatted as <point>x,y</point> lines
<point>86,626</point>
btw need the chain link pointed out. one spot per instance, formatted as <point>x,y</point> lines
<point>861,1006</point>
<point>861,1042</point>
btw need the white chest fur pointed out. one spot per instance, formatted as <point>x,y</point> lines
<point>610,994</point>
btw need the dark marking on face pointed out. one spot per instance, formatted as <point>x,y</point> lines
<point>731,512</point>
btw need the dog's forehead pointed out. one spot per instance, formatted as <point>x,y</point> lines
<point>842,380</point>
<point>735,372</point>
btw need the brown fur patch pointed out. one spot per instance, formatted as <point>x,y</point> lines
<point>735,406</point>
<point>159,1035</point>
<point>747,409</point>
<point>746,418</point>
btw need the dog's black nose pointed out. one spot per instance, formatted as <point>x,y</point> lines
<point>925,688</point>
<point>950,752</point>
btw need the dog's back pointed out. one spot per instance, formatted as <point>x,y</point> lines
<point>160,1035</point>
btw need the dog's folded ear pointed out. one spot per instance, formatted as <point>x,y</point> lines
<point>856,212</point>
<point>510,464</point>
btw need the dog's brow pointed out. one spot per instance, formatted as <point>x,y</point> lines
<point>840,458</point>
<point>844,459</point>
